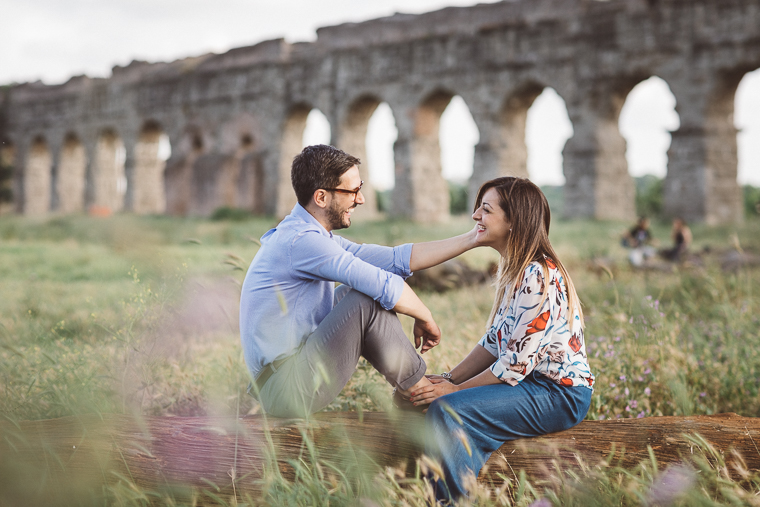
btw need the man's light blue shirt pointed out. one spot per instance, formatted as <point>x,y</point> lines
<point>289,286</point>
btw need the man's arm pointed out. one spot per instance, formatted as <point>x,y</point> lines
<point>432,253</point>
<point>426,330</point>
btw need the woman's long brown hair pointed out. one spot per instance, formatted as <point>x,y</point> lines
<point>527,211</point>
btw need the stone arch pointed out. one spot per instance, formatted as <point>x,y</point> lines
<point>37,178</point>
<point>291,144</point>
<point>547,129</point>
<point>353,139</point>
<point>459,135</point>
<point>651,136</point>
<point>317,129</point>
<point>382,134</point>
<point>251,180</point>
<point>233,175</point>
<point>747,122</point>
<point>7,173</point>
<point>178,174</point>
<point>150,156</point>
<point>109,177</point>
<point>598,184</point>
<point>72,173</point>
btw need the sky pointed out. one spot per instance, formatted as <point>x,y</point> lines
<point>53,40</point>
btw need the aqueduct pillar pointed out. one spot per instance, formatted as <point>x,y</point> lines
<point>421,191</point>
<point>598,184</point>
<point>702,161</point>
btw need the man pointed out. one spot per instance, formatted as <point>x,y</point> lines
<point>301,337</point>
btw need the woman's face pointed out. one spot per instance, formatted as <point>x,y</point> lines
<point>492,225</point>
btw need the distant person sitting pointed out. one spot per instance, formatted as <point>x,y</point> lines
<point>639,240</point>
<point>681,235</point>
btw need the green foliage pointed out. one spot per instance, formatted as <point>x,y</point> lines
<point>384,200</point>
<point>556,197</point>
<point>228,213</point>
<point>649,196</point>
<point>6,175</point>
<point>458,204</point>
<point>751,200</point>
<point>111,316</point>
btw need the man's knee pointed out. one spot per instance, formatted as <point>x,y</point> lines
<point>353,297</point>
<point>340,292</point>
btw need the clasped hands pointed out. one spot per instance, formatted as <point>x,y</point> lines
<point>428,394</point>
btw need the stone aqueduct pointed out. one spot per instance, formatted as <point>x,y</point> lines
<point>235,120</point>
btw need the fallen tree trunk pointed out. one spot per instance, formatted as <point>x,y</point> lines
<point>51,459</point>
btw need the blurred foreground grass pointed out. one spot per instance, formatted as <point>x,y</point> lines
<point>139,315</point>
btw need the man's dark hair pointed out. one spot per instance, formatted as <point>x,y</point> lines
<point>318,166</point>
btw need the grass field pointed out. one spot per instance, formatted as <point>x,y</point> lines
<point>139,315</point>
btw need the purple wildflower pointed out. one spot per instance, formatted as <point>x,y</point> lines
<point>671,484</point>
<point>647,391</point>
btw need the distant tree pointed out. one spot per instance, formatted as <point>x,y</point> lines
<point>556,197</point>
<point>751,200</point>
<point>458,199</point>
<point>649,196</point>
<point>6,177</point>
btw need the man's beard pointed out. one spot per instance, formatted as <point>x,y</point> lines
<point>337,219</point>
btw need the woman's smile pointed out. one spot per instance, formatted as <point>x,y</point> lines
<point>491,221</point>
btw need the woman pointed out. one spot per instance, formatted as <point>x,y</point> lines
<point>681,235</point>
<point>529,374</point>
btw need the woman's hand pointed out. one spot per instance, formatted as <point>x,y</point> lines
<point>428,394</point>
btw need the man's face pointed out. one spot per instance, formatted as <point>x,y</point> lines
<point>341,204</point>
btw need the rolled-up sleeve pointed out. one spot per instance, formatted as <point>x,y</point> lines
<point>317,257</point>
<point>488,342</point>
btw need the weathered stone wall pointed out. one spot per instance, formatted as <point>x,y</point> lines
<point>236,120</point>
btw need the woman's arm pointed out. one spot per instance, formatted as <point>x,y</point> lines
<point>440,387</point>
<point>432,253</point>
<point>476,361</point>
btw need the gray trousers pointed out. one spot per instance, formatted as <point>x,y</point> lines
<point>357,326</point>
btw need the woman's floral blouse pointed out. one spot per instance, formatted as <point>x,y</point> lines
<point>533,333</point>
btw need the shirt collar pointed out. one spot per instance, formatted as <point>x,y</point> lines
<point>300,213</point>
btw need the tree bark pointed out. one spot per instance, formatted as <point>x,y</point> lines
<point>50,460</point>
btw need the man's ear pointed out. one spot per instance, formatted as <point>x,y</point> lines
<point>320,198</point>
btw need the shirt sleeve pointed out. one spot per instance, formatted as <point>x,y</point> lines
<point>314,256</point>
<point>393,259</point>
<point>521,336</point>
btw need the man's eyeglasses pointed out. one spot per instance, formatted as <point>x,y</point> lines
<point>346,191</point>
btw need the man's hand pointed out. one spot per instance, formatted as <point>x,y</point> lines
<point>428,394</point>
<point>427,333</point>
